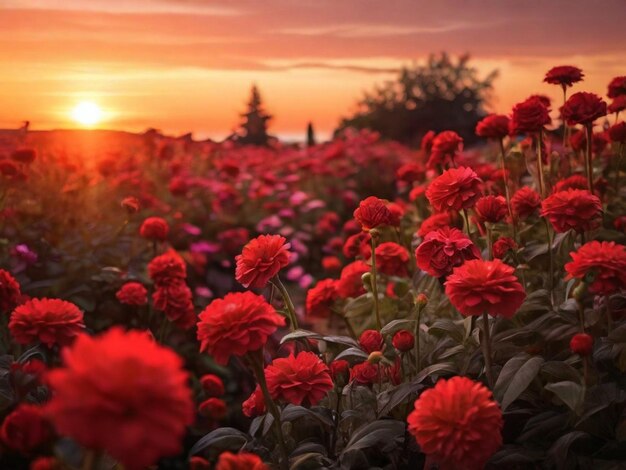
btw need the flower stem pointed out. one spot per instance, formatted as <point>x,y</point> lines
<point>288,303</point>
<point>542,186</point>
<point>507,192</point>
<point>256,361</point>
<point>418,359</point>
<point>588,163</point>
<point>551,261</point>
<point>375,283</point>
<point>486,344</point>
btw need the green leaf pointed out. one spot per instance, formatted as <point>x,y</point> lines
<point>352,352</point>
<point>396,325</point>
<point>507,373</point>
<point>298,334</point>
<point>223,438</point>
<point>521,380</point>
<point>381,433</point>
<point>570,393</point>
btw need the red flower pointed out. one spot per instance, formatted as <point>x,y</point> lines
<point>131,204</point>
<point>481,286</point>
<point>167,268</point>
<point>175,301</point>
<point>446,145</point>
<point>617,87</point>
<point>456,189</point>
<point>199,463</point>
<point>564,75</point>
<point>502,246</point>
<point>410,172</point>
<point>618,104</point>
<point>444,249</point>
<point>239,323</point>
<point>154,228</point>
<point>427,141</point>
<point>339,370</point>
<point>358,245</point>
<point>261,259</point>
<point>349,283</point>
<point>392,259</point>
<point>51,321</point>
<point>255,404</point>
<point>371,340</point>
<point>583,108</point>
<point>241,461</point>
<point>365,373</point>
<point>403,341</point>
<point>320,298</point>
<point>571,182</point>
<point>529,116</point>
<point>581,344</point>
<point>212,385</point>
<point>572,209</point>
<point>25,428</point>
<point>24,155</point>
<point>525,202</point>
<point>617,132</point>
<point>435,221</point>
<point>46,463</point>
<point>457,424</point>
<point>331,263</point>
<point>116,390</point>
<point>494,126</point>
<point>604,261</point>
<point>372,212</point>
<point>491,209</point>
<point>214,408</point>
<point>10,292</point>
<point>298,379</point>
<point>132,293</point>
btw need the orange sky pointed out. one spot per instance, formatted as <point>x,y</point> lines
<point>187,65</point>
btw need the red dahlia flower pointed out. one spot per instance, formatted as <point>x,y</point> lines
<point>24,155</point>
<point>481,286</point>
<point>403,341</point>
<point>175,300</point>
<point>349,283</point>
<point>51,321</point>
<point>10,292</point>
<point>605,261</point>
<point>427,141</point>
<point>525,202</point>
<point>154,228</point>
<point>132,293</point>
<point>443,249</point>
<point>392,259</point>
<point>583,108</point>
<point>457,424</point>
<point>455,189</point>
<point>167,268</point>
<point>123,393</point>
<point>564,75</point>
<point>239,323</point>
<point>298,379</point>
<point>213,408</point>
<point>199,463</point>
<point>494,126</point>
<point>435,221</point>
<point>491,209</point>
<point>581,344</point>
<point>261,259</point>
<point>358,244</point>
<point>46,463</point>
<point>618,104</point>
<point>25,428</point>
<point>571,182</point>
<point>617,87</point>
<point>241,461</point>
<point>320,298</point>
<point>372,212</point>
<point>365,373</point>
<point>339,370</point>
<point>212,385</point>
<point>576,209</point>
<point>445,146</point>
<point>131,204</point>
<point>371,340</point>
<point>617,132</point>
<point>529,116</point>
<point>255,404</point>
<point>502,246</point>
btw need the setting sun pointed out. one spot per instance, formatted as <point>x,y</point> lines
<point>87,113</point>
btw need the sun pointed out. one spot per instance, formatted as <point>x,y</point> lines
<point>87,113</point>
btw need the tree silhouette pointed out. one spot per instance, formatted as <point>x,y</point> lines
<point>310,135</point>
<point>441,95</point>
<point>254,126</point>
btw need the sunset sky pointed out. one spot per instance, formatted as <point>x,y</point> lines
<point>187,65</point>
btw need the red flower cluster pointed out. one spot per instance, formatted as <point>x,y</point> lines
<point>529,116</point>
<point>132,293</point>
<point>372,213</point>
<point>575,209</point>
<point>455,189</point>
<point>50,321</point>
<point>25,429</point>
<point>115,391</point>
<point>583,108</point>
<point>445,146</point>
<point>392,259</point>
<point>320,298</point>
<point>154,228</point>
<point>298,379</point>
<point>10,292</point>
<point>457,424</point>
<point>261,259</point>
<point>494,126</point>
<point>239,323</point>
<point>604,261</point>
<point>481,286</point>
<point>564,75</point>
<point>444,249</point>
<point>241,461</point>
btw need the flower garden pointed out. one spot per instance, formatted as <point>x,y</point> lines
<point>349,305</point>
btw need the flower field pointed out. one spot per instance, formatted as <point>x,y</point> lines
<point>353,304</point>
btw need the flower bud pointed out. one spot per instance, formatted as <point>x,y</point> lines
<point>581,344</point>
<point>375,357</point>
<point>421,300</point>
<point>403,340</point>
<point>366,278</point>
<point>371,340</point>
<point>339,370</point>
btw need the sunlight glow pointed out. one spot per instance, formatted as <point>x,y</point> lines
<point>87,113</point>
